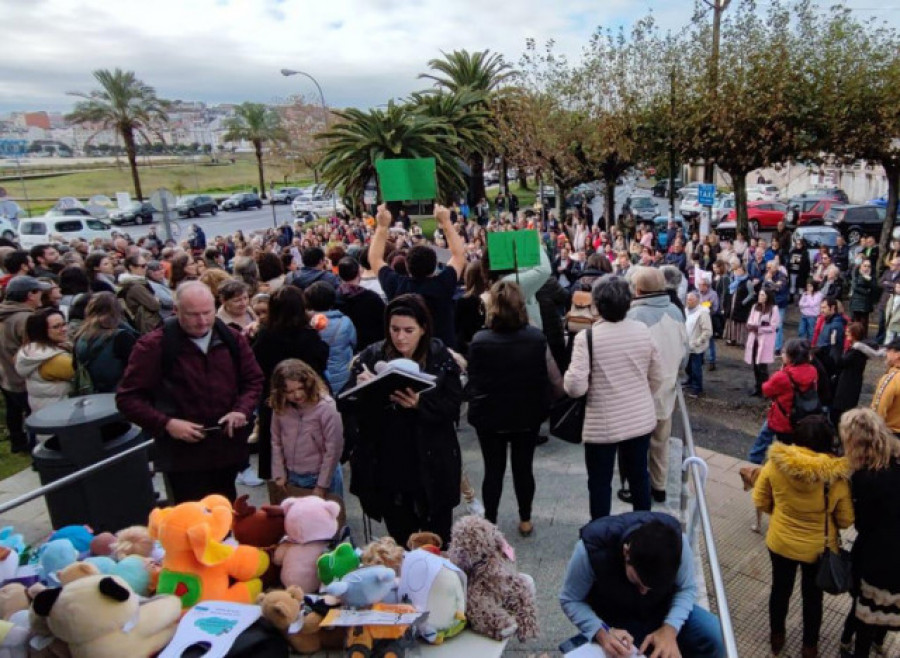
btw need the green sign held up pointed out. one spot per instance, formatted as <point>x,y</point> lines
<point>406,179</point>
<point>510,250</point>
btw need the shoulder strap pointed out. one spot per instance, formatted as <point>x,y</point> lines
<point>590,346</point>
<point>827,514</point>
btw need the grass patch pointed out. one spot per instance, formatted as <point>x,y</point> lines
<point>10,463</point>
<point>182,178</point>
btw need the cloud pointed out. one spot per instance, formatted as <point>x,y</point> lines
<point>363,52</point>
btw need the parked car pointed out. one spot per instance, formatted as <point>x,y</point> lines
<point>641,207</point>
<point>41,230</point>
<point>286,195</point>
<point>762,192</point>
<point>137,212</point>
<point>690,187</point>
<point>724,205</point>
<point>661,187</point>
<point>762,214</point>
<point>690,206</point>
<point>816,236</point>
<point>828,193</point>
<point>807,210</point>
<point>242,201</point>
<point>193,205</point>
<point>68,212</point>
<point>856,221</point>
<point>491,177</point>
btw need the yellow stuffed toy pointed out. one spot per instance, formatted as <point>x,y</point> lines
<point>198,566</point>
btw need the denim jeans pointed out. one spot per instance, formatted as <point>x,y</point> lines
<point>699,637</point>
<point>761,445</point>
<point>600,459</point>
<point>695,373</point>
<point>779,335</point>
<point>712,351</point>
<point>309,480</point>
<point>807,327</point>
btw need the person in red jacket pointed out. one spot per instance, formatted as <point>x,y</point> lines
<point>798,372</point>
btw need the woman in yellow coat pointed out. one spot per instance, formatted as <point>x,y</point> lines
<point>791,488</point>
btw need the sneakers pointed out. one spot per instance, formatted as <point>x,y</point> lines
<point>658,495</point>
<point>249,479</point>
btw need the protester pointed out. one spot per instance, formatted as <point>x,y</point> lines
<point>336,329</point>
<point>850,368</point>
<point>797,375</point>
<point>469,312</point>
<point>100,272</point>
<point>364,307</point>
<point>699,331</point>
<point>234,309</point>
<point>307,432</point>
<point>45,359</point>
<point>809,304</point>
<point>761,327</point>
<point>196,403</point>
<point>800,486</point>
<point>630,585</point>
<point>886,400</point>
<point>743,295</point>
<point>512,379</point>
<point>406,467</point>
<point>873,455</point>
<point>103,343</point>
<point>620,381</point>
<point>156,277</point>
<point>142,307</point>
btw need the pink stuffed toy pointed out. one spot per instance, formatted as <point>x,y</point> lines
<point>310,524</point>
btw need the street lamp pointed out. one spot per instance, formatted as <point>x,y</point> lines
<point>290,72</point>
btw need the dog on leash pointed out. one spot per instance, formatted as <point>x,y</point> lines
<point>749,476</point>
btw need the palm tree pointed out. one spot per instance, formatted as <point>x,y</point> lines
<point>481,72</point>
<point>255,123</point>
<point>124,104</point>
<point>399,131</point>
<point>464,112</point>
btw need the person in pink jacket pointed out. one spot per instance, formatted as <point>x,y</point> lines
<point>762,326</point>
<point>307,431</point>
<point>809,304</point>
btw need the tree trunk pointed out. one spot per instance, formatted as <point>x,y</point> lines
<point>609,202</point>
<point>257,146</point>
<point>892,171</point>
<point>740,203</point>
<point>476,186</point>
<point>131,151</point>
<point>523,177</point>
<point>504,185</point>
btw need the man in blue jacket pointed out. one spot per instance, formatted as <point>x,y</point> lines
<point>630,583</point>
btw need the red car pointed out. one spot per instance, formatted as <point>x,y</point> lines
<point>764,214</point>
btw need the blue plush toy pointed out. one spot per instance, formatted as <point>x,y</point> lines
<point>53,556</point>
<point>363,587</point>
<point>79,535</point>
<point>132,569</point>
<point>9,538</point>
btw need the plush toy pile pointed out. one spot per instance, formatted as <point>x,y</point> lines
<point>84,596</point>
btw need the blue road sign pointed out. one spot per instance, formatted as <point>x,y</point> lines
<point>706,194</point>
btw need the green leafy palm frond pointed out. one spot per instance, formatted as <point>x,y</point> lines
<point>460,69</point>
<point>255,123</point>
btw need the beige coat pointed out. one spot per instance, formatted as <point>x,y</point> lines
<point>625,374</point>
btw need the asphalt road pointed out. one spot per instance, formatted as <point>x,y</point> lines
<point>226,222</point>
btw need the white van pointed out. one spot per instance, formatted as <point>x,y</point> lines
<point>47,229</point>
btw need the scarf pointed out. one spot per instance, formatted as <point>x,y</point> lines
<point>736,282</point>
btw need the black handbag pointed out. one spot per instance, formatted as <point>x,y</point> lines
<point>567,414</point>
<point>835,573</point>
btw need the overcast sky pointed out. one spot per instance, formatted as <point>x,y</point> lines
<point>363,52</point>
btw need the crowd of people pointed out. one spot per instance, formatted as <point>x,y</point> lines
<point>214,347</point>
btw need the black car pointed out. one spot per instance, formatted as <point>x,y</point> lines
<point>661,188</point>
<point>137,212</point>
<point>854,222</point>
<point>242,201</point>
<point>193,205</point>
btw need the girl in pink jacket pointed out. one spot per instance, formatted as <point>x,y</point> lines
<point>307,431</point>
<point>810,301</point>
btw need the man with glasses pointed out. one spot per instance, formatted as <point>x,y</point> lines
<point>141,306</point>
<point>630,585</point>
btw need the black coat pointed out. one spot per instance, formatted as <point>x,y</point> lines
<point>365,308</point>
<point>469,319</point>
<point>877,508</point>
<point>743,300</point>
<point>413,451</point>
<point>273,347</point>
<point>508,389</point>
<point>850,368</point>
<point>554,302</point>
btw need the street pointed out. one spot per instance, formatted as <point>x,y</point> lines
<point>225,223</point>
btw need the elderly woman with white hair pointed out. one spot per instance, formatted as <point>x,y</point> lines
<point>618,366</point>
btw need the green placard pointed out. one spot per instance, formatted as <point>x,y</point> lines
<point>407,180</point>
<point>509,249</point>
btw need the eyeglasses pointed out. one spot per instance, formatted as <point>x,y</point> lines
<point>57,325</point>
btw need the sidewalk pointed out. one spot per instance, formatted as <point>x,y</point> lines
<point>560,509</point>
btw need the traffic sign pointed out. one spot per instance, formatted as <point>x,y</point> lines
<point>706,194</point>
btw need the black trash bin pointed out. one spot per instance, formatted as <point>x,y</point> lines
<point>83,431</point>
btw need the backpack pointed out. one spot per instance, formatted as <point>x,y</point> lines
<point>140,319</point>
<point>805,403</point>
<point>82,384</point>
<point>581,314</point>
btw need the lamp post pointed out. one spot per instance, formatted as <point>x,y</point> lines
<point>289,72</point>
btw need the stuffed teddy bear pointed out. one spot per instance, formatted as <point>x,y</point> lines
<point>499,601</point>
<point>197,565</point>
<point>133,540</point>
<point>383,551</point>
<point>426,540</point>
<point>290,612</point>
<point>261,527</point>
<point>310,523</point>
<point>100,617</point>
<point>13,598</point>
<point>102,544</point>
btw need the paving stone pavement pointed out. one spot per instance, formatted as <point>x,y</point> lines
<point>560,509</point>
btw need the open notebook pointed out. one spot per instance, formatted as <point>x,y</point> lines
<point>391,376</point>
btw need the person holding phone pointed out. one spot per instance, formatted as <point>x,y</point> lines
<point>406,465</point>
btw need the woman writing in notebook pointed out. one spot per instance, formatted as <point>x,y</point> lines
<point>406,463</point>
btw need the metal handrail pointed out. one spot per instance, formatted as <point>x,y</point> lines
<point>698,472</point>
<point>73,477</point>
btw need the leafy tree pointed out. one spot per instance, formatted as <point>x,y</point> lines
<point>481,72</point>
<point>300,151</point>
<point>361,138</point>
<point>124,104</point>
<point>257,124</point>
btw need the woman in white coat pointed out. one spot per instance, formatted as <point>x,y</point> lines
<point>45,360</point>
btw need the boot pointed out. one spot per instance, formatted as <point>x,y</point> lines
<point>809,652</point>
<point>776,640</point>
